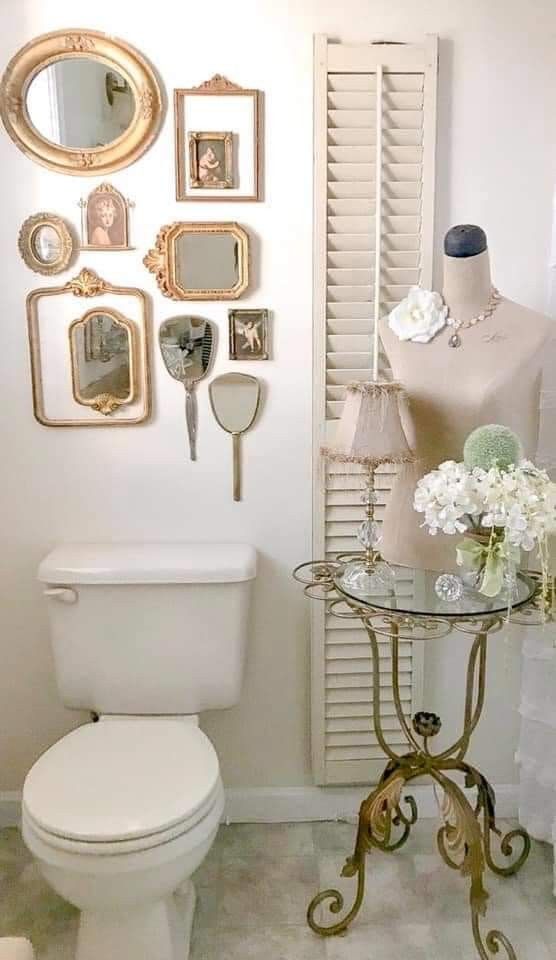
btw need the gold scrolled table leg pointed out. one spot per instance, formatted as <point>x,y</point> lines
<point>378,813</point>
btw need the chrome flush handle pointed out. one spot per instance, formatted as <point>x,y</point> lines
<point>64,594</point>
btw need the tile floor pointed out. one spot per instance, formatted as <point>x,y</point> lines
<point>254,888</point>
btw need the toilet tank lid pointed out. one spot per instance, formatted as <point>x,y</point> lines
<point>76,563</point>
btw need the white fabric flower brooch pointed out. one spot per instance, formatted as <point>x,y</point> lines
<point>419,317</point>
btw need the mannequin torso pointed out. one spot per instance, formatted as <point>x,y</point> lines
<point>493,377</point>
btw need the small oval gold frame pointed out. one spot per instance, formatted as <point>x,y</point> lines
<point>29,229</point>
<point>117,56</point>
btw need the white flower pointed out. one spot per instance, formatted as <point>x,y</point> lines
<point>520,501</point>
<point>419,317</point>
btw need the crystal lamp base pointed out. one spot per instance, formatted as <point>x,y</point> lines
<point>375,580</point>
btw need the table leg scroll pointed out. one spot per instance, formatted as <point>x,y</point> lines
<point>378,814</point>
<point>460,842</point>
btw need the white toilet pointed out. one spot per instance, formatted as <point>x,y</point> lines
<point>120,812</point>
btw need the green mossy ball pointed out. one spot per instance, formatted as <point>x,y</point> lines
<point>493,445</point>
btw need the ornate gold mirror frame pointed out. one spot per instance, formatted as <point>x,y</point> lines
<point>118,56</point>
<point>27,243</point>
<point>161,260</point>
<point>103,402</point>
<point>87,284</point>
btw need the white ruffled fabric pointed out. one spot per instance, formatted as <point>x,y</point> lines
<point>536,752</point>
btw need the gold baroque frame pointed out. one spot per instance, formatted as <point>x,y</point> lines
<point>104,403</point>
<point>160,260</point>
<point>88,284</point>
<point>116,55</point>
<point>124,204</point>
<point>221,86</point>
<point>29,228</point>
<point>195,139</point>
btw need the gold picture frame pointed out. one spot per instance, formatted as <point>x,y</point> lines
<point>105,401</point>
<point>114,236</point>
<point>161,260</point>
<point>200,177</point>
<point>28,247</point>
<point>117,56</point>
<point>248,334</point>
<point>220,86</point>
<point>88,284</point>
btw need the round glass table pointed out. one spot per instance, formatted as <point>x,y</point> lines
<point>411,609</point>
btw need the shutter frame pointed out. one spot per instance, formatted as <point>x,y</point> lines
<point>345,264</point>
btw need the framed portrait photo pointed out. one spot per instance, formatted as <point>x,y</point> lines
<point>211,160</point>
<point>104,219</point>
<point>218,165</point>
<point>248,330</point>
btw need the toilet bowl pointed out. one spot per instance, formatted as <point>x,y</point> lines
<point>119,814</point>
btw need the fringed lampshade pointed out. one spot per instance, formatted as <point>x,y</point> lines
<point>370,433</point>
<point>370,430</point>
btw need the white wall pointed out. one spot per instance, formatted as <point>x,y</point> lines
<point>495,167</point>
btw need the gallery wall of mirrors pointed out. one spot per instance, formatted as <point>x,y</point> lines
<point>82,103</point>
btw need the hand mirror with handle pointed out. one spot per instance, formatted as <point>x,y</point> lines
<point>187,345</point>
<point>235,399</point>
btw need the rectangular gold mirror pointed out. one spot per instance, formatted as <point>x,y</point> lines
<point>201,261</point>
<point>89,370</point>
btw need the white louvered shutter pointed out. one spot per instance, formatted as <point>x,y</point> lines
<point>375,128</point>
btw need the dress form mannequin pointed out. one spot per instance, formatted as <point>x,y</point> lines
<point>494,376</point>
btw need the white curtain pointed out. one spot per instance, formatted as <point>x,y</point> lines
<point>537,745</point>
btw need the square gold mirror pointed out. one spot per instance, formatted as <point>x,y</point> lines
<point>201,261</point>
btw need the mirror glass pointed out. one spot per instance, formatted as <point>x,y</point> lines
<point>46,244</point>
<point>80,102</point>
<point>206,261</point>
<point>101,356</point>
<point>235,398</point>
<point>186,346</point>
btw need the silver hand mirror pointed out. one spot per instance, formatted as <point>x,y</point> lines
<point>187,345</point>
<point>235,399</point>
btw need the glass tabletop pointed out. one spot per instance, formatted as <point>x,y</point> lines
<point>414,593</point>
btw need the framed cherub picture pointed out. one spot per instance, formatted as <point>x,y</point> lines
<point>248,334</point>
<point>211,160</point>
<point>218,142</point>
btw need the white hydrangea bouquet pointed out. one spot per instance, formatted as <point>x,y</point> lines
<point>501,502</point>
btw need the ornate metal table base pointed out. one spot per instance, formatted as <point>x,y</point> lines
<point>385,817</point>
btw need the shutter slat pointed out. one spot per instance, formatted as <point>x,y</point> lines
<point>367,81</point>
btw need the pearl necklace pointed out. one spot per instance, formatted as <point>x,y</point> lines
<point>457,325</point>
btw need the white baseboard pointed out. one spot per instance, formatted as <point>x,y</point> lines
<point>290,804</point>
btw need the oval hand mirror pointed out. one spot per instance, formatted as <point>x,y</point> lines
<point>235,398</point>
<point>187,345</point>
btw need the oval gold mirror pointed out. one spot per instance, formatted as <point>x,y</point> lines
<point>45,243</point>
<point>235,400</point>
<point>80,102</point>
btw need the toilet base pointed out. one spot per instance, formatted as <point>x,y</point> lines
<point>156,931</point>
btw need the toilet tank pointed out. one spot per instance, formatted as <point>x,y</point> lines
<point>147,629</point>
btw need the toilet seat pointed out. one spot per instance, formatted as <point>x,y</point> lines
<point>122,785</point>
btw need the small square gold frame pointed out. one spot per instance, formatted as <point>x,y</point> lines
<point>195,139</point>
<point>233,316</point>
